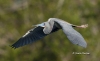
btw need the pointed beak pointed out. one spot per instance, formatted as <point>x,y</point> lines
<point>43,26</point>
<point>37,26</point>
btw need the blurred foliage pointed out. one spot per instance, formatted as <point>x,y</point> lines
<point>18,16</point>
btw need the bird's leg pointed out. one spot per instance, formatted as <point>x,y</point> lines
<point>81,26</point>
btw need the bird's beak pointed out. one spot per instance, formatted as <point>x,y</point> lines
<point>43,26</point>
<point>37,26</point>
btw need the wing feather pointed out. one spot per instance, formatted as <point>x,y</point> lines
<point>32,36</point>
<point>74,36</point>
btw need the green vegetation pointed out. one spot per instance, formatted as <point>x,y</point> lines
<point>18,16</point>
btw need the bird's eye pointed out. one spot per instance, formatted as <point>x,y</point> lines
<point>44,24</point>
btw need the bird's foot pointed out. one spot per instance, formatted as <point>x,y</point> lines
<point>83,26</point>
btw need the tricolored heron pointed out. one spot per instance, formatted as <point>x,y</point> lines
<point>48,27</point>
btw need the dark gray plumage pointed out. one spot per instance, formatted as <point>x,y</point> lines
<point>52,25</point>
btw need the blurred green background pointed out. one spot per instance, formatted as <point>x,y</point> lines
<point>18,16</point>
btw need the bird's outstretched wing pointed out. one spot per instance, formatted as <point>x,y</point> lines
<point>74,36</point>
<point>32,36</point>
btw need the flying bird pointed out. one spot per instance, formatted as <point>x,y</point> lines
<point>48,27</point>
